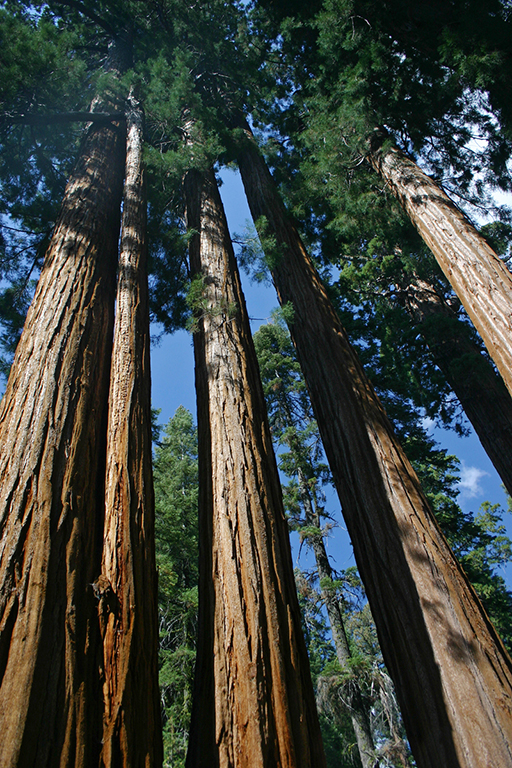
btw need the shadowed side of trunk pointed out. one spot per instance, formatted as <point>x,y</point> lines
<point>479,389</point>
<point>127,586</point>
<point>477,275</point>
<point>452,674</point>
<point>254,704</point>
<point>52,464</point>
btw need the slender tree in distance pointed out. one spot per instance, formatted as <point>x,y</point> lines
<point>434,633</point>
<point>52,425</point>
<point>253,699</point>
<point>126,589</point>
<point>292,425</point>
<point>176,494</point>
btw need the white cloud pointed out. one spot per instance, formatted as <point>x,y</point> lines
<point>470,480</point>
<point>428,424</point>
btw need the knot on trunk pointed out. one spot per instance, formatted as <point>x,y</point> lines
<point>107,600</point>
<point>376,139</point>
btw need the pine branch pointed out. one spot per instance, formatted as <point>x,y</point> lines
<point>64,117</point>
<point>81,8</point>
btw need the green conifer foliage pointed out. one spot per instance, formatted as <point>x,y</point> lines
<point>176,492</point>
<point>478,539</point>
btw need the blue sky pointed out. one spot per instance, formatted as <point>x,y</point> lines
<point>173,385</point>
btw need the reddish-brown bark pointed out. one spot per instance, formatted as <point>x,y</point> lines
<point>52,449</point>
<point>452,674</point>
<point>254,704</point>
<point>477,275</point>
<point>127,585</point>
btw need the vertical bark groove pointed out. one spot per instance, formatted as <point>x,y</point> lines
<point>52,426</point>
<point>452,674</point>
<point>254,703</point>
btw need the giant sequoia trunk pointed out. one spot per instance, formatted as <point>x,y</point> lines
<point>452,674</point>
<point>253,702</point>
<point>52,449</point>
<point>477,275</point>
<point>126,588</point>
<point>480,391</point>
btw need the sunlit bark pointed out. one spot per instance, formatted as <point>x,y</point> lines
<point>452,674</point>
<point>477,275</point>
<point>253,702</point>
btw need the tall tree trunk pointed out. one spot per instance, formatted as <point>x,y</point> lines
<point>127,585</point>
<point>52,464</point>
<point>358,711</point>
<point>452,674</point>
<point>253,703</point>
<point>480,391</point>
<point>477,275</point>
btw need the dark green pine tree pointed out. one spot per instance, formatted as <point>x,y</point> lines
<point>176,498</point>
